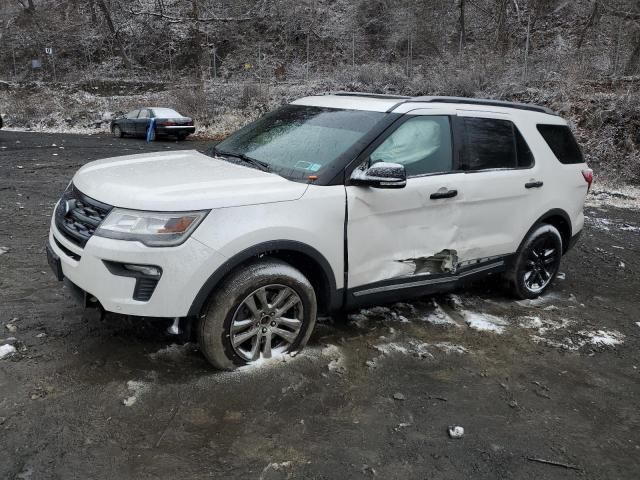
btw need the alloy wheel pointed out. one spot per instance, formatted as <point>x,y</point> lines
<point>540,264</point>
<point>268,320</point>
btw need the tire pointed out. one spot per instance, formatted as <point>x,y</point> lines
<point>182,137</point>
<point>117,132</point>
<point>537,262</point>
<point>237,327</point>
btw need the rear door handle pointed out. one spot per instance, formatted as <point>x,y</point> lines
<point>444,194</point>
<point>536,184</point>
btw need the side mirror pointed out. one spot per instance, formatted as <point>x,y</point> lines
<point>380,175</point>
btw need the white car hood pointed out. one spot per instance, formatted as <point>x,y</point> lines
<point>181,180</point>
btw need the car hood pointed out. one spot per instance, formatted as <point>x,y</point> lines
<point>181,180</point>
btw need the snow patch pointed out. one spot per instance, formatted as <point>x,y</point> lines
<point>439,317</point>
<point>451,348</point>
<point>337,359</point>
<point>485,322</point>
<point>419,349</point>
<point>172,352</point>
<point>542,300</point>
<point>136,388</point>
<point>544,325</point>
<point>6,350</point>
<point>598,338</point>
<point>603,338</point>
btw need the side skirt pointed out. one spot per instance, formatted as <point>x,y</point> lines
<point>404,288</point>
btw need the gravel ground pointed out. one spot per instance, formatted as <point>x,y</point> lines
<point>555,379</point>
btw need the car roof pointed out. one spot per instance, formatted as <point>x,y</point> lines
<point>372,103</point>
<point>389,103</point>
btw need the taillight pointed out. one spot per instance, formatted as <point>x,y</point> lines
<point>588,177</point>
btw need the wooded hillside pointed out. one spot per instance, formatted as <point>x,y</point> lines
<point>224,62</point>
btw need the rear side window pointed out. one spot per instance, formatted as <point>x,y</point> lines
<point>562,143</point>
<point>493,143</point>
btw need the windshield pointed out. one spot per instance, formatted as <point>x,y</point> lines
<point>165,113</point>
<point>297,141</point>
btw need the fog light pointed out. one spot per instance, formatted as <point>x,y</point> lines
<point>148,270</point>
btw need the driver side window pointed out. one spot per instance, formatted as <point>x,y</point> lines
<point>422,144</point>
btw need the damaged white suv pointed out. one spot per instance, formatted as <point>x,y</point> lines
<point>329,203</point>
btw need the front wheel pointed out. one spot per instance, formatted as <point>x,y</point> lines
<point>265,308</point>
<point>537,262</point>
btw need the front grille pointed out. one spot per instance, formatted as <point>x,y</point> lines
<point>78,216</point>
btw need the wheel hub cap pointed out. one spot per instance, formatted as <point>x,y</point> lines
<point>540,264</point>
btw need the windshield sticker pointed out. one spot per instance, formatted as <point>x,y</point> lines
<point>312,167</point>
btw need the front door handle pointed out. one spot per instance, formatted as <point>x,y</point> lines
<point>443,194</point>
<point>534,184</point>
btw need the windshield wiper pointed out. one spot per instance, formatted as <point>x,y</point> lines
<point>264,166</point>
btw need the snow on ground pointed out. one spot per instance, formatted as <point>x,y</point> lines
<point>485,322</point>
<point>6,350</point>
<point>606,225</point>
<point>603,338</point>
<point>543,300</point>
<point>136,388</point>
<point>625,196</point>
<point>173,352</point>
<point>439,317</point>
<point>337,358</point>
<point>417,348</point>
<point>573,342</point>
<point>544,325</point>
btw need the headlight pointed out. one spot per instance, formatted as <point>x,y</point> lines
<point>154,229</point>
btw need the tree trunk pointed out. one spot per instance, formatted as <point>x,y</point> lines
<point>501,27</point>
<point>196,35</point>
<point>634,60</point>
<point>593,18</point>
<point>461,26</point>
<point>107,16</point>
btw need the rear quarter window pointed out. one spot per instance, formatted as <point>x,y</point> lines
<point>491,143</point>
<point>562,143</point>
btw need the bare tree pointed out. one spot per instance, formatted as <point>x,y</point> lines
<point>114,32</point>
<point>591,21</point>
<point>461,26</point>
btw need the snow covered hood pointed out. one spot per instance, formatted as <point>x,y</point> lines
<point>181,180</point>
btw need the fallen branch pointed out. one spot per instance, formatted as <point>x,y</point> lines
<point>554,463</point>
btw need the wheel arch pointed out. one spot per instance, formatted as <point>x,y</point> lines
<point>559,219</point>
<point>305,258</point>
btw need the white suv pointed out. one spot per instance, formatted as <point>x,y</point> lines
<point>330,203</point>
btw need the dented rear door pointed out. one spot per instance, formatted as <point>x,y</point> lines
<point>415,230</point>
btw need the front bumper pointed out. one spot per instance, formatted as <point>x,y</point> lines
<point>185,268</point>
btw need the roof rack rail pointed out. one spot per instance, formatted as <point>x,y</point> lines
<point>369,95</point>
<point>480,101</point>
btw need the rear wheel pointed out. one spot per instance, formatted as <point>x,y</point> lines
<point>537,262</point>
<point>266,308</point>
<point>182,136</point>
<point>117,132</point>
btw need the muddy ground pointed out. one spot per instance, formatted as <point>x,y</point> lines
<point>555,379</point>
